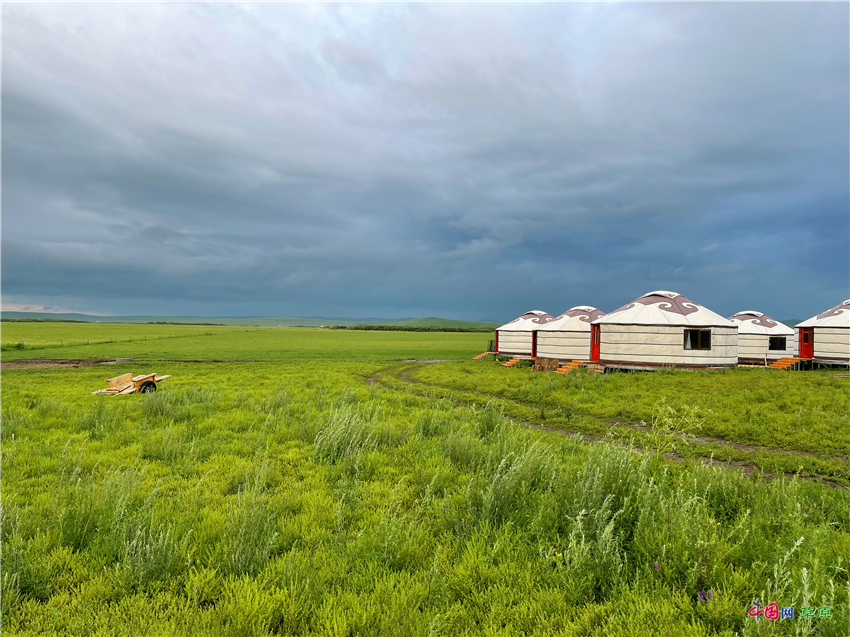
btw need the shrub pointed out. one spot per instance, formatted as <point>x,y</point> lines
<point>280,400</point>
<point>430,422</point>
<point>465,450</point>
<point>98,421</point>
<point>166,405</point>
<point>347,433</point>
<point>251,536</point>
<point>176,405</point>
<point>515,478</point>
<point>669,425</point>
<point>489,420</point>
<point>150,550</point>
<point>12,421</point>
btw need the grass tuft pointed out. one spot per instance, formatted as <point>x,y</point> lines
<point>349,432</point>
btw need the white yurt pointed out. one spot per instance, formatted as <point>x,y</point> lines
<point>826,337</point>
<point>567,337</point>
<point>517,337</point>
<point>762,338</point>
<point>664,328</point>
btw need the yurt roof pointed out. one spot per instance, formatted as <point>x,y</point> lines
<point>528,322</point>
<point>576,319</point>
<point>752,322</point>
<point>664,308</point>
<point>838,316</point>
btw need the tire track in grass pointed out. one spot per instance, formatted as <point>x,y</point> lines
<point>701,439</point>
<point>403,373</point>
<point>412,363</point>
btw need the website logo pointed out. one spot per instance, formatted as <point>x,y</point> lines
<point>774,612</point>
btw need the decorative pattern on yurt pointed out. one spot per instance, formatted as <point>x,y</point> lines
<point>517,337</point>
<point>830,332</point>
<point>567,337</point>
<point>761,337</point>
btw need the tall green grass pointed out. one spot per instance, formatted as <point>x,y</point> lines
<point>747,415</point>
<point>284,499</point>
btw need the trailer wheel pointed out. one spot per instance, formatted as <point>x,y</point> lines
<point>147,387</point>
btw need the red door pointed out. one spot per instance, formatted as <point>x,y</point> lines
<point>534,345</point>
<point>807,342</point>
<point>594,343</point>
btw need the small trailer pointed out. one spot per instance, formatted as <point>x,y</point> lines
<point>129,384</point>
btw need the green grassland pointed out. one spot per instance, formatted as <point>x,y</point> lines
<point>329,488</point>
<point>22,337</point>
<point>267,321</point>
<point>753,415</point>
<point>150,342</point>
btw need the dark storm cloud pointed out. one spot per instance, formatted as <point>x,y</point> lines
<point>471,161</point>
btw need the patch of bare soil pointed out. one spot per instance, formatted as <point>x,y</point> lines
<point>404,373</point>
<point>52,363</point>
<point>374,377</point>
<point>405,376</point>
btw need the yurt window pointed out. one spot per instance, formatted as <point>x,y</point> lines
<point>697,339</point>
<point>777,342</point>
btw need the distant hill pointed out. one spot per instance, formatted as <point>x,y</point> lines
<point>265,321</point>
<point>433,321</point>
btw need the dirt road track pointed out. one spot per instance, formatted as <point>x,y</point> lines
<point>403,372</point>
<point>52,363</point>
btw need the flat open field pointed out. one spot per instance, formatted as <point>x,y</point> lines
<point>287,344</point>
<point>325,485</point>
<point>21,337</point>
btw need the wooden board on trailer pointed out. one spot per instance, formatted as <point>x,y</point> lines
<point>129,384</point>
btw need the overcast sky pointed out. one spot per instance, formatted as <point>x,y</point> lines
<point>460,160</point>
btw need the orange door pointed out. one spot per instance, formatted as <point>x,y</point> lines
<point>594,343</point>
<point>807,342</point>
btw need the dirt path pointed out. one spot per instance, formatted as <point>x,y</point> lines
<point>374,377</point>
<point>719,440</point>
<point>52,363</point>
<point>402,373</point>
<point>404,376</point>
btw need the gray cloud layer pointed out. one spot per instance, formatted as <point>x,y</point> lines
<point>471,161</point>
